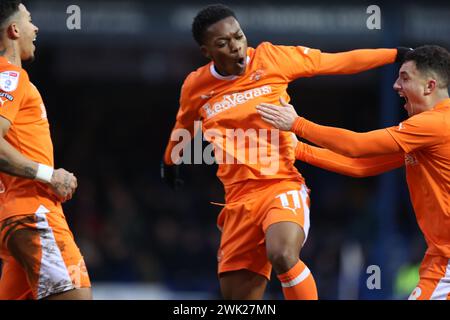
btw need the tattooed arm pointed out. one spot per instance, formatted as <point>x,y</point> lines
<point>12,162</point>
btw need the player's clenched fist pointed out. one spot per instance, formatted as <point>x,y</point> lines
<point>63,184</point>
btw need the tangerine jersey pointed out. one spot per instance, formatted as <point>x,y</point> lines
<point>245,147</point>
<point>22,105</point>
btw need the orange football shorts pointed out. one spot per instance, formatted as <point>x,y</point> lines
<point>434,283</point>
<point>39,257</point>
<point>244,222</point>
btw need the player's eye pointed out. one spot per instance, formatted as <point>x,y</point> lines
<point>221,44</point>
<point>239,37</point>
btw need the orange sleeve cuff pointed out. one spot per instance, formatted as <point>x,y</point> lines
<point>298,126</point>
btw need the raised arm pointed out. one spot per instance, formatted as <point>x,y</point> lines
<point>295,62</point>
<point>354,167</point>
<point>355,61</point>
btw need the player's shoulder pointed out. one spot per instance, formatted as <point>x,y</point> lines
<point>265,50</point>
<point>199,80</point>
<point>442,110</point>
<point>12,77</point>
<point>265,46</point>
<point>435,120</point>
<point>5,65</point>
<point>198,75</point>
<point>268,48</point>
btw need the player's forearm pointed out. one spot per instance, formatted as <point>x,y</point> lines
<point>354,167</point>
<point>355,61</point>
<point>14,163</point>
<point>180,137</point>
<point>346,142</point>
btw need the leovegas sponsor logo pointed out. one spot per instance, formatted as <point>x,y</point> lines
<point>232,100</point>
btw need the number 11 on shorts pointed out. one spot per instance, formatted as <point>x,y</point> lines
<point>294,195</point>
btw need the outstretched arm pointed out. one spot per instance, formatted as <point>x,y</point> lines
<point>354,167</point>
<point>355,61</point>
<point>295,62</point>
<point>345,142</point>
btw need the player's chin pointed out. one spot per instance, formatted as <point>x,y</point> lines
<point>238,70</point>
<point>241,71</point>
<point>28,59</point>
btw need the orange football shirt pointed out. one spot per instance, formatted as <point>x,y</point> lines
<point>22,104</point>
<point>425,138</point>
<point>226,106</point>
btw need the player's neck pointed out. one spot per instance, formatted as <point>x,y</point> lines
<point>433,100</point>
<point>223,74</point>
<point>11,53</point>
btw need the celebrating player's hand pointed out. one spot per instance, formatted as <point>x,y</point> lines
<point>401,53</point>
<point>63,184</point>
<point>280,117</point>
<point>170,174</point>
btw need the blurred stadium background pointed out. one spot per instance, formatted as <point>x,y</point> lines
<point>111,90</point>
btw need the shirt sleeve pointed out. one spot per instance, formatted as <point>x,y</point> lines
<point>186,116</point>
<point>299,61</point>
<point>354,167</point>
<point>420,131</point>
<point>346,142</point>
<point>13,87</point>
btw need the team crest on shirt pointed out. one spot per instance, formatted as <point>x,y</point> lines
<point>257,75</point>
<point>9,80</point>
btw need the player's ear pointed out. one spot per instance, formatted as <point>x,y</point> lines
<point>13,31</point>
<point>204,50</point>
<point>430,86</point>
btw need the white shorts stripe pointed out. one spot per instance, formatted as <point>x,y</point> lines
<point>306,224</point>
<point>302,276</point>
<point>443,288</point>
<point>53,274</point>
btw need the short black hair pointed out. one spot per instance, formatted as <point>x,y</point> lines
<point>7,9</point>
<point>207,17</point>
<point>432,58</point>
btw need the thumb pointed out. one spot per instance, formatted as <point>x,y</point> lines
<point>283,102</point>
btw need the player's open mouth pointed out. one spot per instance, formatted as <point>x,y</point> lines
<point>241,62</point>
<point>406,99</point>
